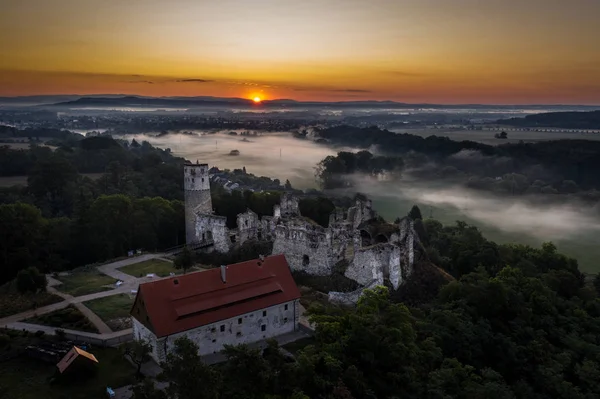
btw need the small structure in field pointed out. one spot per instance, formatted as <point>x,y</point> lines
<point>76,358</point>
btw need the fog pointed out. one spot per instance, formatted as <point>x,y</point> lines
<point>574,228</point>
<point>276,155</point>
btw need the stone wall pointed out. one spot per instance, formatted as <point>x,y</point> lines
<point>376,263</point>
<point>213,227</point>
<point>140,332</point>
<point>289,205</point>
<point>197,197</point>
<point>249,226</point>
<point>306,247</point>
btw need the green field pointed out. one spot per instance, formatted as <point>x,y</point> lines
<point>26,378</point>
<point>111,307</point>
<point>84,282</point>
<point>69,318</point>
<point>159,267</point>
<point>12,302</point>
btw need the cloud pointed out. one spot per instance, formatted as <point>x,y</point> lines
<point>140,81</point>
<point>193,81</point>
<point>407,74</point>
<point>328,89</point>
<point>352,90</point>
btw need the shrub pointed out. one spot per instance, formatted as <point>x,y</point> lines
<point>39,333</point>
<point>60,333</point>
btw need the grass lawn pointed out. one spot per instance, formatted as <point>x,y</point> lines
<point>27,378</point>
<point>157,266</point>
<point>12,302</point>
<point>84,282</point>
<point>111,308</point>
<point>68,318</point>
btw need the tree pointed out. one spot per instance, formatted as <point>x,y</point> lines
<point>188,377</point>
<point>138,351</point>
<point>147,390</point>
<point>31,280</point>
<point>288,185</point>
<point>184,260</point>
<point>597,283</point>
<point>415,213</point>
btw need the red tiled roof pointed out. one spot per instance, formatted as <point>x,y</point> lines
<point>202,298</point>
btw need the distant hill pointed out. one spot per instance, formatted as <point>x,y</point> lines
<point>114,100</point>
<point>567,120</point>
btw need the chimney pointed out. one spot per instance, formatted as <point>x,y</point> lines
<point>223,268</point>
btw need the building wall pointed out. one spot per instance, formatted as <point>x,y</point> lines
<point>140,332</point>
<point>197,197</point>
<point>212,337</point>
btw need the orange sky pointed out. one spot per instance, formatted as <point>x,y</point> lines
<point>439,51</point>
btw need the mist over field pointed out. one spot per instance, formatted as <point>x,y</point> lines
<point>573,227</point>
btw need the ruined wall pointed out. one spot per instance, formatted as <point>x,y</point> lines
<point>213,227</point>
<point>306,247</point>
<point>376,263</point>
<point>349,298</point>
<point>289,205</point>
<point>249,226</point>
<point>361,212</point>
<point>197,197</point>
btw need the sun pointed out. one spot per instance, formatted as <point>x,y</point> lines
<point>256,99</point>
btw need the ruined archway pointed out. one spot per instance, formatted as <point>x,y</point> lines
<point>381,238</point>
<point>305,260</point>
<point>365,238</point>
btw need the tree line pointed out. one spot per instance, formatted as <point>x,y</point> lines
<point>561,165</point>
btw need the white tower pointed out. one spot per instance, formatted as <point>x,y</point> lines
<point>197,196</point>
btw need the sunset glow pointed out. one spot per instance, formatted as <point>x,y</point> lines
<point>440,51</point>
<point>256,99</point>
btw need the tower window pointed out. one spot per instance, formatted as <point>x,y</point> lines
<point>264,313</point>
<point>203,180</point>
<point>263,327</point>
<point>240,320</point>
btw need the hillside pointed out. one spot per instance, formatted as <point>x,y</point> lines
<point>567,120</point>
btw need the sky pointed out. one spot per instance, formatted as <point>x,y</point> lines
<point>436,51</point>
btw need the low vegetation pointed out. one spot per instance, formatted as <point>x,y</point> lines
<point>85,281</point>
<point>69,318</point>
<point>13,302</point>
<point>112,309</point>
<point>159,267</point>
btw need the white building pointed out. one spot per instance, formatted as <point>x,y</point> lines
<point>236,304</point>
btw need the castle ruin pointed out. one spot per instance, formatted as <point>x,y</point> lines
<point>375,251</point>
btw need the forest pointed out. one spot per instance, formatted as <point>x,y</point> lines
<point>548,167</point>
<point>64,219</point>
<point>567,120</point>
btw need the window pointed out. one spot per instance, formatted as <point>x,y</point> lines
<point>214,340</point>
<point>240,320</point>
<point>285,320</point>
<point>192,179</point>
<point>212,330</point>
<point>263,327</point>
<point>238,334</point>
<point>305,260</point>
<point>177,282</point>
<point>203,180</point>
<point>264,313</point>
<point>222,327</point>
<point>285,307</point>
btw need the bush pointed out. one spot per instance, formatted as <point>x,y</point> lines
<point>4,340</point>
<point>39,333</point>
<point>31,280</point>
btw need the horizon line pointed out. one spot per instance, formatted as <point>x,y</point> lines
<point>304,101</point>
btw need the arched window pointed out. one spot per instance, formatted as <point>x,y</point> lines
<point>305,260</point>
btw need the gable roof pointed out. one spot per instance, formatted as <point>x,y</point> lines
<point>70,357</point>
<point>185,302</point>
